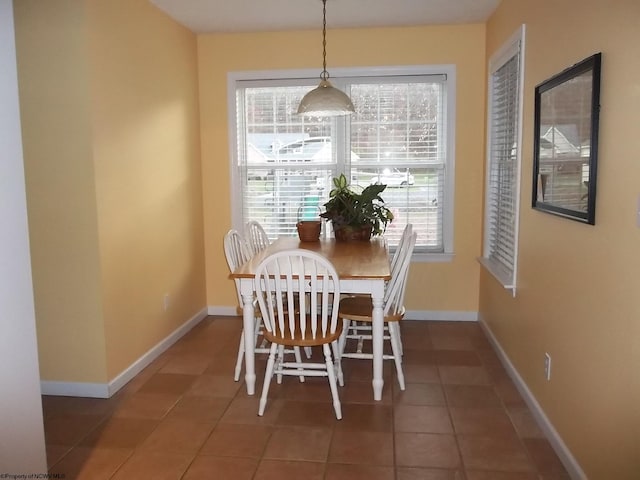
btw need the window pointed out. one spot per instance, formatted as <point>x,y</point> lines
<point>401,135</point>
<point>503,161</point>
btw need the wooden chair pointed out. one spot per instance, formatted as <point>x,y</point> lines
<point>257,239</point>
<point>236,253</point>
<point>278,280</point>
<point>359,308</point>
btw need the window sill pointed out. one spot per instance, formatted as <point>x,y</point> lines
<point>432,257</point>
<point>506,279</point>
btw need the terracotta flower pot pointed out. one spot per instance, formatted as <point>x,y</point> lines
<point>309,230</point>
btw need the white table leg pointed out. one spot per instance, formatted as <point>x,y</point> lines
<point>248,318</point>
<point>377,334</point>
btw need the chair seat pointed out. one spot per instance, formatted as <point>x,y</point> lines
<point>296,338</point>
<point>359,309</point>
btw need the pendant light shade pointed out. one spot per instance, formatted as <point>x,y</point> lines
<point>325,100</point>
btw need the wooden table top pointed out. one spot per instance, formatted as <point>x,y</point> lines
<point>352,260</point>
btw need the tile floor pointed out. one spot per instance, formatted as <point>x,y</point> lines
<point>183,417</point>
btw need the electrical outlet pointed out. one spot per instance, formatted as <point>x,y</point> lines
<point>165,302</point>
<point>547,366</point>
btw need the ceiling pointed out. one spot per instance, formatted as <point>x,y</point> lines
<point>207,16</point>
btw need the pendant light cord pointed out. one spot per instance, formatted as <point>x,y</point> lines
<point>324,75</point>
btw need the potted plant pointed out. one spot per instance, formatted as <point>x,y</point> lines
<point>356,214</point>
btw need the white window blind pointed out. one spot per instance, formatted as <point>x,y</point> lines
<point>503,172</point>
<point>398,136</point>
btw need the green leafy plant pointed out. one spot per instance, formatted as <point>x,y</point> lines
<point>353,208</point>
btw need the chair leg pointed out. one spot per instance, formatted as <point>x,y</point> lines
<point>337,356</point>
<point>267,379</point>
<point>342,341</point>
<point>397,352</point>
<point>296,352</point>
<point>236,375</point>
<point>280,360</point>
<point>332,381</point>
<point>307,352</point>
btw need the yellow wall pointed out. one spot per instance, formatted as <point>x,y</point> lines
<point>578,285</point>
<point>463,46</point>
<point>55,100</point>
<point>110,119</point>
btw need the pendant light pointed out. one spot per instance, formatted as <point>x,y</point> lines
<point>325,100</point>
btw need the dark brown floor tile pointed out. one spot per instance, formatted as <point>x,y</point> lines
<point>481,421</point>
<point>366,418</point>
<point>442,341</point>
<point>418,357</point>
<point>420,394</point>
<point>214,386</point>
<point>509,394</point>
<point>416,342</point>
<point>53,405</point>
<point>366,448</point>
<point>500,453</point>
<point>221,468</point>
<point>224,364</point>
<point>463,375</point>
<point>416,373</point>
<point>307,414</point>
<point>412,473</point>
<point>544,456</point>
<point>154,465</point>
<point>525,423</point>
<point>457,357</point>
<point>121,433</point>
<point>356,370</point>
<point>480,342</point>
<point>69,429</point>
<point>287,469</point>
<point>56,452</point>
<point>452,328</point>
<point>422,419</point>
<point>169,383</point>
<point>178,435</point>
<point>484,475</point>
<point>205,409</point>
<point>337,471</point>
<point>184,412</point>
<point>84,463</point>
<point>188,364</point>
<point>136,383</point>
<point>312,390</point>
<point>472,396</point>
<point>362,392</point>
<point>146,405</point>
<point>299,443</point>
<point>245,410</point>
<point>236,440</point>
<point>426,450</point>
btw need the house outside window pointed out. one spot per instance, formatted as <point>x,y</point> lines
<point>401,135</point>
<point>504,148</point>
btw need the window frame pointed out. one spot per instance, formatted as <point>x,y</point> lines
<point>513,47</point>
<point>338,76</point>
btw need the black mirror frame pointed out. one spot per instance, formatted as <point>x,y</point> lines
<point>591,64</point>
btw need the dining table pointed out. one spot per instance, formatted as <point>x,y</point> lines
<point>362,267</point>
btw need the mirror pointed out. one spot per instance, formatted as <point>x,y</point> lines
<point>567,107</point>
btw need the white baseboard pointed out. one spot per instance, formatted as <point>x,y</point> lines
<point>106,390</point>
<point>573,467</point>
<point>441,315</point>
<point>451,316</point>
<point>223,311</point>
